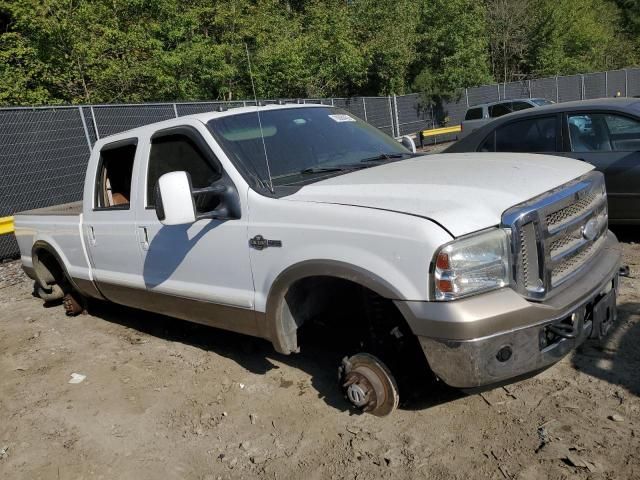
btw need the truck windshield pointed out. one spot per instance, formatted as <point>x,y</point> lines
<point>303,145</point>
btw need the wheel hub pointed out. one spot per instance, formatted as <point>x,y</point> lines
<point>357,395</point>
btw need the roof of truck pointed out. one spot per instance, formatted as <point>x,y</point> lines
<point>203,117</point>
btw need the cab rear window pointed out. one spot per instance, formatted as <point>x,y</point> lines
<point>473,114</point>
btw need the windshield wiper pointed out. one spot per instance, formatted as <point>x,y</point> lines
<point>311,170</point>
<point>385,156</point>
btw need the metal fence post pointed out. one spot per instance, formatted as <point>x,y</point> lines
<point>175,110</point>
<point>606,84</point>
<point>557,91</point>
<point>84,126</point>
<point>95,124</point>
<point>395,107</point>
<point>466,96</point>
<point>364,108</point>
<point>626,83</point>
<point>529,87</point>
<point>498,85</point>
<point>391,114</point>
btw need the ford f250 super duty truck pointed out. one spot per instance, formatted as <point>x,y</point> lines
<point>265,220</point>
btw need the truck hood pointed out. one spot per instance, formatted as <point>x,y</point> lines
<point>463,192</point>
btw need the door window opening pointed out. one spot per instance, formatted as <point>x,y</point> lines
<point>113,186</point>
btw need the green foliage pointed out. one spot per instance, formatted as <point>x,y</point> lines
<point>572,37</point>
<point>452,47</point>
<point>630,11</point>
<point>90,51</point>
<point>386,34</point>
<point>23,75</point>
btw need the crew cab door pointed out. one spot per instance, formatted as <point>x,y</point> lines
<point>109,220</point>
<point>610,142</point>
<point>199,271</point>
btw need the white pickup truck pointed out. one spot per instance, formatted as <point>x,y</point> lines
<point>263,220</point>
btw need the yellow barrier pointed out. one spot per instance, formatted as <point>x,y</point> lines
<point>6,225</point>
<point>441,131</point>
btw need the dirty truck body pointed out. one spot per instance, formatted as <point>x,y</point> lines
<point>498,268</point>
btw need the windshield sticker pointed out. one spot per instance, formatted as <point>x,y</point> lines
<point>342,118</point>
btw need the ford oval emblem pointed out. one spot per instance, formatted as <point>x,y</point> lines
<point>590,230</point>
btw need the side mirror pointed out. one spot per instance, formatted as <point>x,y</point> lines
<point>408,143</point>
<point>174,200</point>
<point>175,204</point>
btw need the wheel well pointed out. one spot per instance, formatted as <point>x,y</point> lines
<point>351,316</point>
<point>47,268</point>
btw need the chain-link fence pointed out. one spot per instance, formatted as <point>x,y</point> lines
<point>44,150</point>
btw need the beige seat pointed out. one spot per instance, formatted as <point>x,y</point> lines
<point>119,199</point>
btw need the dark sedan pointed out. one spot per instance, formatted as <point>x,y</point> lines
<point>605,133</point>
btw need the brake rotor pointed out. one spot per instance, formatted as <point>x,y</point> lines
<point>71,305</point>
<point>369,385</point>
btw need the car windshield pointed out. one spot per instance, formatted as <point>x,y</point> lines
<point>303,144</point>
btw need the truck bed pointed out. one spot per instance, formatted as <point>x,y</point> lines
<point>64,209</point>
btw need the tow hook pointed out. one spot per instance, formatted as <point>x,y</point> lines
<point>369,385</point>
<point>569,329</point>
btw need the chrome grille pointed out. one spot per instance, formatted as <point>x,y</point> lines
<point>574,210</point>
<point>555,235</point>
<point>569,264</point>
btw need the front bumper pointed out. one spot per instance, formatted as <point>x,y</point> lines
<point>467,341</point>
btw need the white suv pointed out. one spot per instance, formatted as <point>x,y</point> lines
<point>480,115</point>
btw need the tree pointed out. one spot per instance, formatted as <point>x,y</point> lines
<point>103,51</point>
<point>23,75</point>
<point>630,12</point>
<point>452,47</point>
<point>572,37</point>
<point>508,28</point>
<point>386,34</point>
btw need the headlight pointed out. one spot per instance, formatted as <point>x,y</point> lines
<point>471,265</point>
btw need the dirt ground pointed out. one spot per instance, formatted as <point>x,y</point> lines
<point>165,399</point>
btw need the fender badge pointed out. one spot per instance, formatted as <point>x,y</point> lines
<point>260,243</point>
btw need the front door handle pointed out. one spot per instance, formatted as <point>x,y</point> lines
<point>143,235</point>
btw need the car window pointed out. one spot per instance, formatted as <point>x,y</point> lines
<point>113,182</point>
<point>620,125</point>
<point>499,109</point>
<point>517,106</point>
<point>542,101</point>
<point>600,132</point>
<point>178,152</point>
<point>489,144</point>
<point>531,135</point>
<point>473,114</point>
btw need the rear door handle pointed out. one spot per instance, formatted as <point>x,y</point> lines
<point>143,235</point>
<point>92,236</point>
